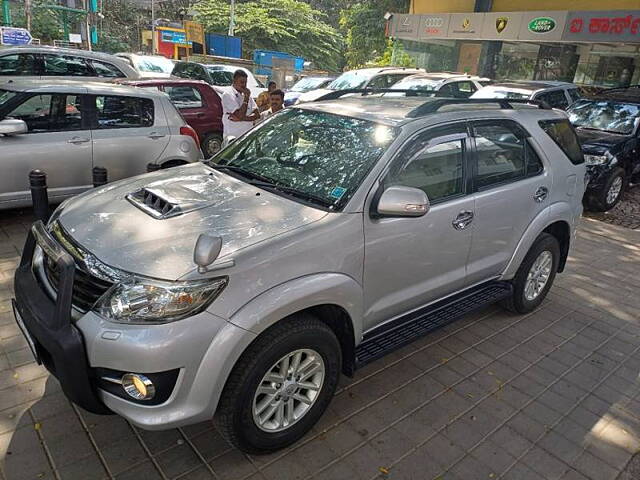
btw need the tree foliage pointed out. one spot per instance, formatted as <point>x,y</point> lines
<point>363,24</point>
<point>290,26</point>
<point>395,55</point>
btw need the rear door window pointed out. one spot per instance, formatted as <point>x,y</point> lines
<point>66,66</point>
<point>574,94</point>
<point>19,64</point>
<point>104,69</point>
<point>562,132</point>
<point>555,99</point>
<point>124,112</point>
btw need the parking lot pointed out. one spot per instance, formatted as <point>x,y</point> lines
<point>553,394</point>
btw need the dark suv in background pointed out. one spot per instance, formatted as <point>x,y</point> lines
<point>609,130</point>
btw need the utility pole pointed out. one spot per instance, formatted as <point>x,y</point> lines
<point>87,26</point>
<point>153,27</point>
<point>27,13</point>
<point>232,20</point>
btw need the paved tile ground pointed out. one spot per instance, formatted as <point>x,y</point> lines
<point>550,395</point>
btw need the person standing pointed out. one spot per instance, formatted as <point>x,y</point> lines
<point>239,110</point>
<point>263,99</point>
<point>276,101</point>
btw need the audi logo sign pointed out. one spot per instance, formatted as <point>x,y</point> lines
<point>433,22</point>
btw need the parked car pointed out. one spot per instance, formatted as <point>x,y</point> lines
<point>312,245</point>
<point>303,85</point>
<point>221,76</point>
<point>199,105</point>
<point>149,66</point>
<point>53,63</point>
<point>382,77</point>
<point>454,85</point>
<point>609,130</point>
<point>65,128</point>
<point>556,94</point>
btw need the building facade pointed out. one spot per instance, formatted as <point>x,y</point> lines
<point>567,40</point>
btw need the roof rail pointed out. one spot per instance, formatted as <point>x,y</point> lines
<point>433,106</point>
<point>373,91</point>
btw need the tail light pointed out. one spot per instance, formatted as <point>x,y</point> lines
<point>190,132</point>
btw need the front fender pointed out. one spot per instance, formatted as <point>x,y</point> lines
<point>299,294</point>
<point>561,211</point>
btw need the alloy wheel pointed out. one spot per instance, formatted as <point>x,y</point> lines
<point>538,276</point>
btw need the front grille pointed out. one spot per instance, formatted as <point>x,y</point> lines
<point>87,288</point>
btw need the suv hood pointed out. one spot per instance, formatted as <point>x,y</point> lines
<point>599,140</point>
<point>122,232</point>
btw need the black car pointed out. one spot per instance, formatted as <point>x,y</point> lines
<point>609,130</point>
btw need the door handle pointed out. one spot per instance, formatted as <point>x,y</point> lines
<point>541,194</point>
<point>156,135</point>
<point>463,220</point>
<point>200,115</point>
<point>76,140</point>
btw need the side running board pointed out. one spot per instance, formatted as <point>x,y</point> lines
<point>417,324</point>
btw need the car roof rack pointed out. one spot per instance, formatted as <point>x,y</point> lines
<point>374,91</point>
<point>436,104</point>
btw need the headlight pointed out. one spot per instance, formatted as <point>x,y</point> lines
<point>596,159</point>
<point>147,301</point>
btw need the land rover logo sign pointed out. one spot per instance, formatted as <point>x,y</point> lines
<point>501,24</point>
<point>542,25</point>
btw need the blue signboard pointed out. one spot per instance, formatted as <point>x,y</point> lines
<point>15,36</point>
<point>170,36</point>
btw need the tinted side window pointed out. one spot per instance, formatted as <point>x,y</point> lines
<point>50,113</point>
<point>556,99</point>
<point>106,70</point>
<point>184,96</point>
<point>124,112</point>
<point>500,153</point>
<point>565,137</point>
<point>574,94</point>
<point>18,65</point>
<point>66,65</point>
<point>466,87</point>
<point>434,163</point>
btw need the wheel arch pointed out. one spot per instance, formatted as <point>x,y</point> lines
<point>562,232</point>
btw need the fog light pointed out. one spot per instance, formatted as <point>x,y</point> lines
<point>138,386</point>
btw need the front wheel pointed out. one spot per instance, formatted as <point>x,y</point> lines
<point>611,193</point>
<point>535,275</point>
<point>280,386</point>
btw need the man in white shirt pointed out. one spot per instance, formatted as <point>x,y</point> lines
<point>239,110</point>
<point>276,102</point>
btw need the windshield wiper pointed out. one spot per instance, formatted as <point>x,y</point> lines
<point>602,130</point>
<point>243,172</point>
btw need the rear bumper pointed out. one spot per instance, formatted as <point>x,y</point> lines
<point>59,344</point>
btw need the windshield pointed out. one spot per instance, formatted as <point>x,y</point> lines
<point>502,92</point>
<point>222,78</point>
<point>615,117</point>
<point>423,84</point>
<point>154,64</point>
<point>5,96</point>
<point>307,84</point>
<point>350,80</point>
<point>318,157</point>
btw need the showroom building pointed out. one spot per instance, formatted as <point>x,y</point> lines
<point>503,39</point>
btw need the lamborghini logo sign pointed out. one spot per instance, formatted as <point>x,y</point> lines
<point>466,23</point>
<point>501,24</point>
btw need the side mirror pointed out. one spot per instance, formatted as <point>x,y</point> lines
<point>402,201</point>
<point>12,126</point>
<point>206,251</point>
<point>229,140</point>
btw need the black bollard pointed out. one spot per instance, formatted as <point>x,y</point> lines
<point>152,167</point>
<point>99,176</point>
<point>39,196</point>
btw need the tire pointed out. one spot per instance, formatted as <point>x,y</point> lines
<point>235,415</point>
<point>601,201</point>
<point>519,302</point>
<point>211,144</point>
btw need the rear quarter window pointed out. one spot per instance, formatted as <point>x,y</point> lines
<point>563,134</point>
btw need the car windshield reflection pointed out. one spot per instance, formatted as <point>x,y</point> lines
<point>613,117</point>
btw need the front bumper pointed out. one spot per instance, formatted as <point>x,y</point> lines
<point>598,176</point>
<point>59,344</point>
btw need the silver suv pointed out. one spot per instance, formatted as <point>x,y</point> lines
<point>65,128</point>
<point>324,238</point>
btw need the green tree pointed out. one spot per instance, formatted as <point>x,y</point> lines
<point>290,26</point>
<point>363,25</point>
<point>394,54</point>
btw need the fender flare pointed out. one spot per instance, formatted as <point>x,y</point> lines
<point>299,294</point>
<point>560,211</point>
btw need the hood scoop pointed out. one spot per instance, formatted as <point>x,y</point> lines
<point>152,203</point>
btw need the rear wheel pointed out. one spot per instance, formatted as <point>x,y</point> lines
<point>535,275</point>
<point>280,386</point>
<point>211,144</point>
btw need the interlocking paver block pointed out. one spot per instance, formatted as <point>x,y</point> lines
<point>593,467</point>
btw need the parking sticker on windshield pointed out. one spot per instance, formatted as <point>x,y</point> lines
<point>338,192</point>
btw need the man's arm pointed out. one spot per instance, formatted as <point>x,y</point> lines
<point>240,115</point>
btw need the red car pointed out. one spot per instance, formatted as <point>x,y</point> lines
<point>198,103</point>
